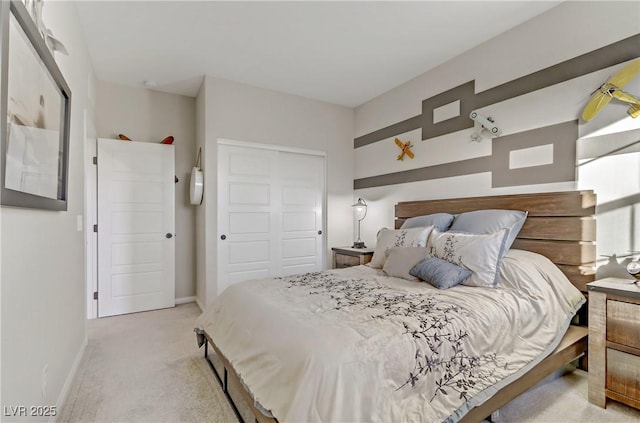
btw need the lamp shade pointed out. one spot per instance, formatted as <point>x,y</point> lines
<point>360,209</point>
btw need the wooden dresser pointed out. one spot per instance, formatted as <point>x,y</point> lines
<point>614,341</point>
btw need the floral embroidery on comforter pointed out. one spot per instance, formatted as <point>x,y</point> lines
<point>426,319</point>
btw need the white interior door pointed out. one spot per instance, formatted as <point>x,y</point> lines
<point>270,213</point>
<point>302,193</point>
<point>136,225</point>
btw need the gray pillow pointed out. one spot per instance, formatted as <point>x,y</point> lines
<point>441,221</point>
<point>440,273</point>
<point>488,221</point>
<point>402,259</point>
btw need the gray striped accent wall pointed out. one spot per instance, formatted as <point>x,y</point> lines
<point>561,138</point>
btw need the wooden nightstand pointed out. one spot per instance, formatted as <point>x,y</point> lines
<point>614,341</point>
<point>347,256</point>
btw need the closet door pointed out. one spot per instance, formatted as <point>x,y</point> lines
<point>270,213</point>
<point>302,188</point>
<point>247,215</point>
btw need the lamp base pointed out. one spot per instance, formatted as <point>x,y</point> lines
<point>358,244</point>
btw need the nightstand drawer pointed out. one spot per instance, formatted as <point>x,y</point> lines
<point>623,323</point>
<point>614,342</point>
<point>349,256</point>
<point>623,376</point>
<point>346,261</point>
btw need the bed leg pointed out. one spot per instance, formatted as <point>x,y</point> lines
<point>493,417</point>
<point>223,383</point>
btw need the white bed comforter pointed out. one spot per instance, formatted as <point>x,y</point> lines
<point>353,345</point>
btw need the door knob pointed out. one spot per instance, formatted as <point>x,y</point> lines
<point>319,232</point>
<point>169,236</point>
<point>223,237</point>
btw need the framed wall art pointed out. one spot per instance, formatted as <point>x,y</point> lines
<point>35,108</point>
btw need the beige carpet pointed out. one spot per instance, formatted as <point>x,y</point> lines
<point>145,367</point>
<point>564,400</point>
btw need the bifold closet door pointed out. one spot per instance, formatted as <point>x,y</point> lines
<point>136,227</point>
<point>270,213</point>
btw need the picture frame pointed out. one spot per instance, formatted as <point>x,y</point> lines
<point>35,114</point>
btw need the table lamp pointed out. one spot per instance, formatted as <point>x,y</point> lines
<point>359,211</point>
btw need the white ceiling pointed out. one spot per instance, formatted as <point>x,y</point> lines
<point>340,52</point>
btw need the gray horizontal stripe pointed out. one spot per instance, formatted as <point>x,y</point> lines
<point>390,131</point>
<point>445,170</point>
<point>604,57</point>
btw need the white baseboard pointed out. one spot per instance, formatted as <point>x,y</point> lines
<point>185,300</point>
<point>199,304</point>
<point>67,384</point>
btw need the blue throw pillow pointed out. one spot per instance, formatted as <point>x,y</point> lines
<point>441,221</point>
<point>440,273</point>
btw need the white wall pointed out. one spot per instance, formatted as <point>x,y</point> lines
<point>43,289</point>
<point>567,31</point>
<point>616,179</point>
<point>244,113</point>
<point>149,116</point>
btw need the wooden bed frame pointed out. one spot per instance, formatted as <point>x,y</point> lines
<point>560,226</point>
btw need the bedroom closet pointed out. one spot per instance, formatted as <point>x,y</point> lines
<point>271,211</point>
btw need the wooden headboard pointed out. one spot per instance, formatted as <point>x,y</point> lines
<point>561,225</point>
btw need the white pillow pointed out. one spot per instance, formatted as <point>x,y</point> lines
<point>478,253</point>
<point>388,238</point>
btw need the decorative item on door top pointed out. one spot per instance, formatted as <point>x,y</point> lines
<point>611,89</point>
<point>165,140</point>
<point>359,211</point>
<point>406,149</point>
<point>196,185</point>
<point>482,123</point>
